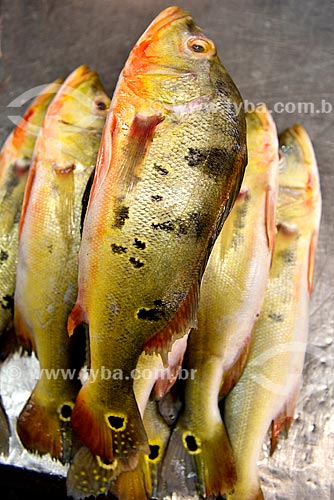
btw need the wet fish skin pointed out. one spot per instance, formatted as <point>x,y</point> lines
<point>15,159</point>
<point>170,165</point>
<point>49,239</point>
<point>231,295</point>
<point>268,388</point>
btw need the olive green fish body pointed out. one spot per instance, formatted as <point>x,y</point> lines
<point>15,159</point>
<point>267,389</point>
<point>231,296</point>
<point>170,165</point>
<point>46,284</point>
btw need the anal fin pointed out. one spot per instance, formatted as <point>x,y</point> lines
<point>23,333</point>
<point>232,375</point>
<point>184,319</point>
<point>283,420</point>
<point>76,317</point>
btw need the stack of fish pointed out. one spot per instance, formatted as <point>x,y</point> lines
<point>136,243</point>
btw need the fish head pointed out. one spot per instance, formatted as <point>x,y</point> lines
<point>172,60</point>
<point>75,120</point>
<point>299,185</point>
<point>261,139</point>
<point>81,101</point>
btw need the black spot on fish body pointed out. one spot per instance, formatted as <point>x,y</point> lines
<point>167,226</point>
<point>154,451</point>
<point>156,197</point>
<point>7,302</point>
<point>288,256</point>
<point>141,245</point>
<point>121,214</point>
<point>3,255</point>
<point>118,249</point>
<point>210,161</point>
<point>136,262</point>
<point>191,443</point>
<point>160,169</point>
<point>275,317</point>
<point>152,314</point>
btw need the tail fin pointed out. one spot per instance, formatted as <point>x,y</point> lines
<point>4,431</point>
<point>212,455</point>
<point>44,426</point>
<point>135,484</point>
<point>246,494</point>
<point>178,474</point>
<point>87,477</point>
<point>112,432</point>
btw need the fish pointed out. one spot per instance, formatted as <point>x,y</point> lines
<point>170,164</point>
<point>5,430</point>
<point>15,159</point>
<point>267,391</point>
<point>49,239</point>
<point>89,475</point>
<point>231,295</point>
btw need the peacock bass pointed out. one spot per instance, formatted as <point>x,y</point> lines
<point>231,296</point>
<point>267,391</point>
<point>170,165</point>
<point>15,160</point>
<point>49,239</point>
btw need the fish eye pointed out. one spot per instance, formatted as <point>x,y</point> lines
<point>101,105</point>
<point>201,46</point>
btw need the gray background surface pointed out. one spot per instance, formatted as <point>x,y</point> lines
<point>276,52</point>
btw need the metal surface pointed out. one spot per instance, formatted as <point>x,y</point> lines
<point>277,52</point>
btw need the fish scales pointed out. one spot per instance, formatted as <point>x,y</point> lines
<point>15,159</point>
<point>49,239</point>
<point>267,391</point>
<point>170,165</point>
<point>231,296</point>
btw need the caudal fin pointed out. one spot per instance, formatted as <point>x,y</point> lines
<point>4,431</point>
<point>212,455</point>
<point>112,431</point>
<point>87,476</point>
<point>134,484</point>
<point>178,469</point>
<point>44,426</point>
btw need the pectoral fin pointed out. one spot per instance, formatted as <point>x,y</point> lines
<point>140,136</point>
<point>27,193</point>
<point>270,218</point>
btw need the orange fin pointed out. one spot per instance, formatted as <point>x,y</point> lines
<point>86,476</point>
<point>140,136</point>
<point>23,333</point>
<point>4,431</point>
<point>43,430</point>
<point>104,157</point>
<point>311,260</point>
<point>27,193</point>
<point>270,218</point>
<point>283,420</point>
<point>114,432</point>
<point>232,375</point>
<point>175,358</point>
<point>134,484</point>
<point>184,319</point>
<point>76,318</point>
